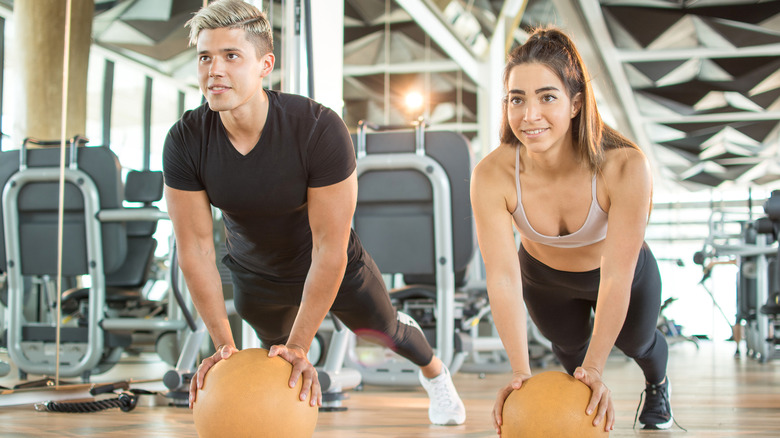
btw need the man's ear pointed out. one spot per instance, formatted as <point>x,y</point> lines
<point>267,64</point>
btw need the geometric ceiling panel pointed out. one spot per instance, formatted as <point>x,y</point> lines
<point>746,11</point>
<point>743,35</point>
<point>158,10</point>
<point>682,34</point>
<point>771,82</point>
<point>689,144</point>
<point>661,133</point>
<point>689,93</point>
<point>636,79</point>
<point>729,135</point>
<point>749,71</point>
<point>152,28</point>
<point>729,143</point>
<point>122,33</point>
<point>758,130</point>
<point>167,49</point>
<point>362,51</point>
<point>765,172</point>
<point>768,99</point>
<point>674,158</point>
<point>706,173</point>
<point>367,11</point>
<point>709,37</point>
<point>652,105</point>
<point>731,103</point>
<point>718,102</point>
<point>654,22</point>
<point>711,71</point>
<point>691,69</point>
<point>656,70</point>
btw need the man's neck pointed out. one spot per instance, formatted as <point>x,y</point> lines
<point>245,124</point>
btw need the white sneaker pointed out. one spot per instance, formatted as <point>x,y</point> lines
<point>446,408</point>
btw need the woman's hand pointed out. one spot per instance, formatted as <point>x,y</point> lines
<point>503,393</point>
<point>223,352</point>
<point>301,368</point>
<point>601,397</point>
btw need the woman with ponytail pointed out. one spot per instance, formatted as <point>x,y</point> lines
<point>579,194</point>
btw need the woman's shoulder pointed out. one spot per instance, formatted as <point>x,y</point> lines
<point>495,165</point>
<point>625,161</point>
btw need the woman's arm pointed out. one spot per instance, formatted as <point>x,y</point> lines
<point>629,186</point>
<point>502,267</point>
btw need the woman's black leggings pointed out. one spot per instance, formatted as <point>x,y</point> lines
<point>362,304</point>
<point>560,304</point>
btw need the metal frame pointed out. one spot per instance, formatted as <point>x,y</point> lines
<point>442,221</point>
<point>97,292</point>
<point>757,329</point>
<point>93,217</point>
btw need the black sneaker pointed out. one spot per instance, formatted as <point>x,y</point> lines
<point>657,411</point>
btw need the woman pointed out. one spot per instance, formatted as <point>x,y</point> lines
<point>579,194</point>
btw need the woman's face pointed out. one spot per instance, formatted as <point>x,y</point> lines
<point>539,109</point>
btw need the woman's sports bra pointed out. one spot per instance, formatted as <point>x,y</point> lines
<point>593,230</point>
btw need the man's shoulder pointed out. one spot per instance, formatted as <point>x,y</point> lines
<point>298,106</point>
<point>192,124</point>
<point>195,116</point>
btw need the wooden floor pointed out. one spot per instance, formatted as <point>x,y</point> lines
<point>714,395</point>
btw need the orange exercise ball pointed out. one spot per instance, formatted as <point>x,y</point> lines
<point>550,404</point>
<point>248,395</point>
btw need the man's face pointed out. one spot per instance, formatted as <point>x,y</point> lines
<point>229,71</point>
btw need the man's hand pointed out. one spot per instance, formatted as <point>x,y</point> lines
<point>296,355</point>
<point>223,352</point>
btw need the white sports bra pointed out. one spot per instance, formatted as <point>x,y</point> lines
<point>593,230</point>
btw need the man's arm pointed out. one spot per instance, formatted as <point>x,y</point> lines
<point>190,213</point>
<point>330,218</point>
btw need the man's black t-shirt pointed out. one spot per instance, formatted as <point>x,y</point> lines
<point>262,195</point>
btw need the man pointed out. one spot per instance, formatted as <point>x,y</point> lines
<point>281,168</point>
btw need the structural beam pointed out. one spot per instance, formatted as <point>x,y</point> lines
<point>441,66</point>
<point>435,26</point>
<point>697,53</point>
<point>717,118</point>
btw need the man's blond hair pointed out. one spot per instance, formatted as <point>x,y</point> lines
<point>234,14</point>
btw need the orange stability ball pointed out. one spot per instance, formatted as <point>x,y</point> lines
<point>248,395</point>
<point>550,404</point>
